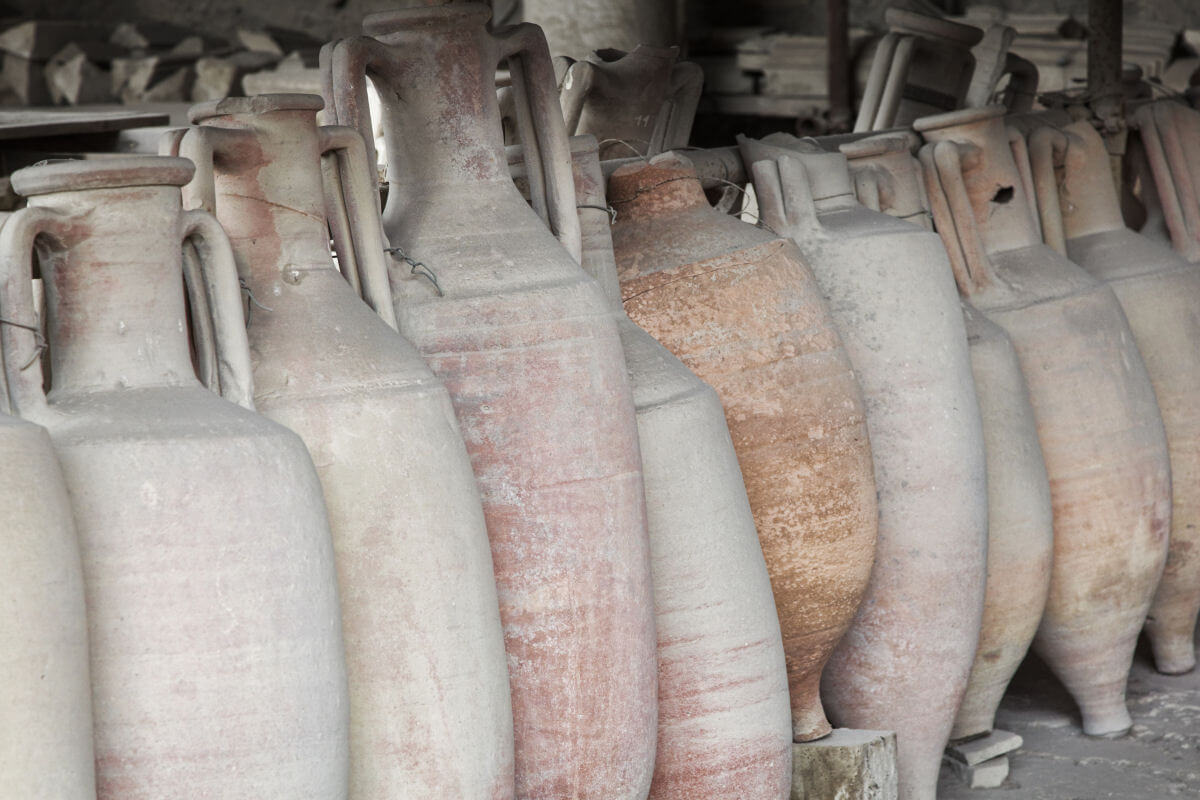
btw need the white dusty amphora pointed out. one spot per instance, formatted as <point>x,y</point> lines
<point>1101,432</point>
<point>1160,294</point>
<point>903,664</point>
<point>429,705</point>
<point>530,352</point>
<point>216,648</point>
<point>1020,519</point>
<point>45,692</point>
<point>724,722</point>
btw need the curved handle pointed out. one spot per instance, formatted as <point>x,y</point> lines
<point>1168,128</point>
<point>948,160</point>
<point>218,270</point>
<point>893,90</point>
<point>673,128</point>
<point>943,219</point>
<point>881,65</point>
<point>1164,184</point>
<point>359,231</point>
<point>1047,148</point>
<point>1022,84</point>
<point>1020,154</point>
<point>344,67</point>
<point>20,336</point>
<point>542,131</point>
<point>867,187</point>
<point>785,199</point>
<point>577,82</point>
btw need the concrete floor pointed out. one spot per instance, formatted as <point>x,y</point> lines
<point>1159,758</point>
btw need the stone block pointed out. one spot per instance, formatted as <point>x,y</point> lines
<point>847,765</point>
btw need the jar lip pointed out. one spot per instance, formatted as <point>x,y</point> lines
<point>880,145</point>
<point>255,104</point>
<point>102,173</point>
<point>963,116</point>
<point>384,22</point>
<point>914,22</point>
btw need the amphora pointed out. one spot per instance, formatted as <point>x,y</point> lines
<point>429,705</point>
<point>1160,294</point>
<point>530,352</point>
<point>1020,520</point>
<point>1101,433</point>
<point>904,663</point>
<point>216,650</point>
<point>739,307</point>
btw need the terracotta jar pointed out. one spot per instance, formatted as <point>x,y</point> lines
<point>903,665</point>
<point>921,66</point>
<point>531,355</point>
<point>576,29</point>
<point>1020,520</point>
<point>637,103</point>
<point>1160,294</point>
<point>216,647</point>
<point>45,692</point>
<point>1101,433</point>
<point>724,722</point>
<point>1167,131</point>
<point>429,705</point>
<point>740,309</point>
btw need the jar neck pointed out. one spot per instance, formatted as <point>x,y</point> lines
<point>114,294</point>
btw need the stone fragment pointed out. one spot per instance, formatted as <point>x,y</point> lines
<point>257,41</point>
<point>38,40</point>
<point>984,748</point>
<point>72,79</point>
<point>847,765</point>
<point>26,79</point>
<point>985,775</point>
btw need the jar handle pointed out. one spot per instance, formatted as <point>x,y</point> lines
<point>868,187</point>
<point>1168,162</point>
<point>20,334</point>
<point>673,128</point>
<point>893,89</point>
<point>954,215</point>
<point>1048,148</point>
<point>881,63</point>
<point>785,198</point>
<point>218,271</point>
<point>576,85</point>
<point>542,132</point>
<point>359,234</point>
<point>1020,153</point>
<point>344,64</point>
<point>200,192</point>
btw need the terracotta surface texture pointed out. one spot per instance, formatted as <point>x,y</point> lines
<point>530,353</point>
<point>740,309</point>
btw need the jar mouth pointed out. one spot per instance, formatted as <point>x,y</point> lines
<point>963,116</point>
<point>256,104</point>
<point>102,173</point>
<point>398,20</point>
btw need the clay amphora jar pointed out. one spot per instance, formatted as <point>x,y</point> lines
<point>741,310</point>
<point>429,705</point>
<point>1020,520</point>
<point>530,353</point>
<point>1160,294</point>
<point>637,103</point>
<point>903,665</point>
<point>724,721</point>
<point>45,692</point>
<point>1101,433</point>
<point>576,29</point>
<point>921,66</point>
<point>1167,132</point>
<point>216,647</point>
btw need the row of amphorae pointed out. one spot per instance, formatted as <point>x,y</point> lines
<point>459,519</point>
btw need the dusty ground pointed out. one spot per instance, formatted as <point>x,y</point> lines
<point>1159,758</point>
